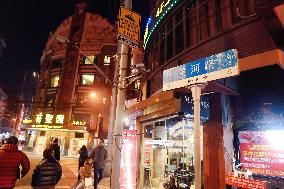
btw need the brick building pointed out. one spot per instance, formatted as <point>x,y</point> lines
<point>72,100</point>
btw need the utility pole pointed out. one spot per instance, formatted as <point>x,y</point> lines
<point>120,107</point>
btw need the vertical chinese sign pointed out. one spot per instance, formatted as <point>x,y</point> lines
<point>128,166</point>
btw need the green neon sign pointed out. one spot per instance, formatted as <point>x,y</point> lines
<point>161,12</point>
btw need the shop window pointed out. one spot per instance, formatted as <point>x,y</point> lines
<point>79,135</point>
<point>50,100</point>
<point>162,33</point>
<point>204,22</point>
<point>87,79</point>
<point>179,37</point>
<point>170,45</point>
<point>54,81</point>
<point>82,99</point>
<point>191,27</point>
<point>178,16</point>
<point>148,131</point>
<point>57,63</point>
<point>107,60</point>
<point>91,59</point>
<point>170,25</point>
<point>162,51</point>
<point>42,133</point>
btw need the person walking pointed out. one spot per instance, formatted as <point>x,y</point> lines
<point>83,156</point>
<point>10,160</point>
<point>85,181</point>
<point>56,149</point>
<point>99,156</point>
<point>47,173</point>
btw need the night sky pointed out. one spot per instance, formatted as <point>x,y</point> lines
<point>26,25</point>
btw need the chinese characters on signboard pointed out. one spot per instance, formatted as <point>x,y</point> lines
<point>49,121</point>
<point>217,66</point>
<point>245,182</point>
<point>262,152</point>
<point>129,27</point>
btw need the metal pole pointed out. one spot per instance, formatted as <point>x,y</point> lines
<point>196,93</point>
<point>112,117</point>
<point>120,106</point>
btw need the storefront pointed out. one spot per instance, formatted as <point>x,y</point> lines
<point>259,126</point>
<point>165,136</point>
<point>42,131</point>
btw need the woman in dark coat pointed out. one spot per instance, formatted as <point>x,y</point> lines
<point>83,156</point>
<point>47,173</point>
<point>56,149</point>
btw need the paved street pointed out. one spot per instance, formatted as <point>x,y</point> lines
<point>69,177</point>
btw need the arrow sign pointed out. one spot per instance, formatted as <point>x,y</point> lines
<point>217,66</point>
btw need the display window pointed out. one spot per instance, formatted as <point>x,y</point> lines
<point>169,154</point>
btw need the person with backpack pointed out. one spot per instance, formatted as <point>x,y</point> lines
<point>48,172</point>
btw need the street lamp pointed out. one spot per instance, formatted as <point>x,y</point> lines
<point>93,94</point>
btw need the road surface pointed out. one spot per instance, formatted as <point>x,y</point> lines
<point>69,176</point>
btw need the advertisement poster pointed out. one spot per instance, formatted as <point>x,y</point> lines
<point>262,152</point>
<point>128,160</point>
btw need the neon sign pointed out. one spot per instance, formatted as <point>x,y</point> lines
<point>27,121</point>
<point>49,119</point>
<point>162,10</point>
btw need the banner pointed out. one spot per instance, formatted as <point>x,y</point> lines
<point>128,165</point>
<point>262,152</point>
<point>244,182</point>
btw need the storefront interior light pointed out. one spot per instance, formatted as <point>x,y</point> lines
<point>126,121</point>
<point>275,138</point>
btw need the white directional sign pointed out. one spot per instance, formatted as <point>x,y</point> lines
<point>214,67</point>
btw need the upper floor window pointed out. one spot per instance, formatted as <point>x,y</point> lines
<point>91,59</point>
<point>107,60</point>
<point>87,79</point>
<point>54,81</point>
<point>57,63</point>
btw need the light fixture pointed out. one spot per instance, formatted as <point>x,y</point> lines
<point>93,94</point>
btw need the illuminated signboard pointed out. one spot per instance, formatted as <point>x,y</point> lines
<point>48,121</point>
<point>79,123</point>
<point>164,7</point>
<point>27,121</point>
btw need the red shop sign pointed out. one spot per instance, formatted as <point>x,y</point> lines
<point>245,182</point>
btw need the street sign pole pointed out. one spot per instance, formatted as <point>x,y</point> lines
<point>120,107</point>
<point>196,94</point>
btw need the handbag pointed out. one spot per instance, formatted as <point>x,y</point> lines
<point>88,181</point>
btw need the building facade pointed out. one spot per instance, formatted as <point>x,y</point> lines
<point>72,100</point>
<point>182,31</point>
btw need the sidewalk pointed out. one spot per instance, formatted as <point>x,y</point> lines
<point>105,183</point>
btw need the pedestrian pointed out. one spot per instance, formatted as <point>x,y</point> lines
<point>85,181</point>
<point>48,172</point>
<point>56,149</point>
<point>83,156</point>
<point>99,156</point>
<point>10,160</point>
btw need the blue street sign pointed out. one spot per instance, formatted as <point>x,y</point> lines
<point>214,67</point>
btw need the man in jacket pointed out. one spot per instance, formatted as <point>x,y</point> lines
<point>99,156</point>
<point>48,172</point>
<point>10,160</point>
